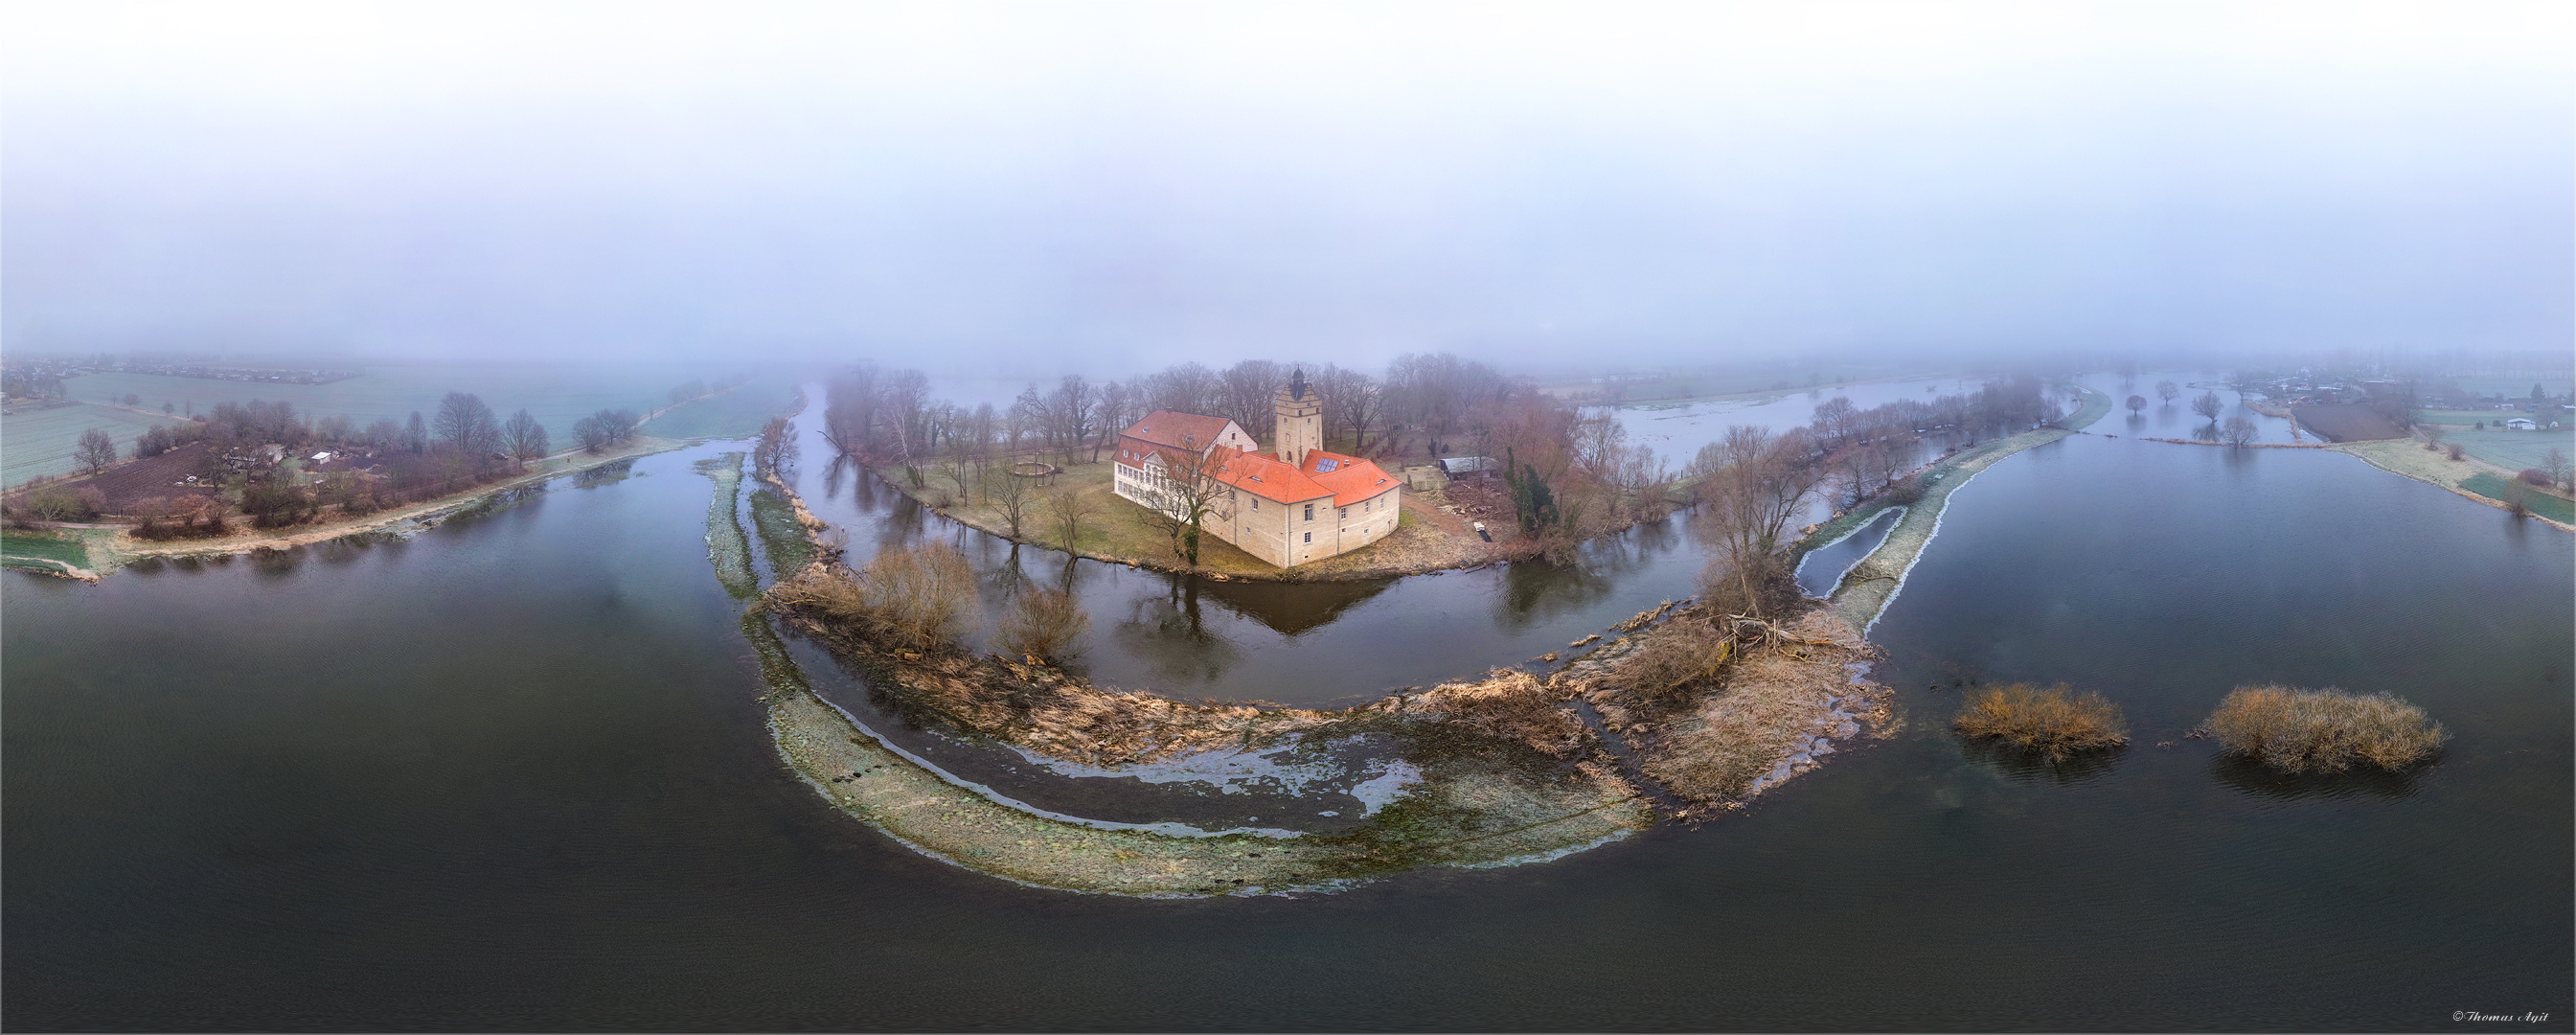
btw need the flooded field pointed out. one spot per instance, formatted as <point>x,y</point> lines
<point>514,773</point>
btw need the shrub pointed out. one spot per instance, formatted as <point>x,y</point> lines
<point>2323,731</point>
<point>271,505</point>
<point>1766,589</point>
<point>1043,623</point>
<point>922,597</point>
<point>1676,657</point>
<point>2051,721</point>
<point>2536,476</point>
<point>54,503</point>
<point>2455,450</point>
<point>1904,492</point>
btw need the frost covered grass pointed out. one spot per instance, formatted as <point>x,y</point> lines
<point>2324,731</point>
<point>2053,721</point>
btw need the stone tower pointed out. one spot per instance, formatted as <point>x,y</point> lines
<point>1301,420</point>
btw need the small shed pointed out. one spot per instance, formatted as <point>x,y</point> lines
<point>2521,424</point>
<point>1471,467</point>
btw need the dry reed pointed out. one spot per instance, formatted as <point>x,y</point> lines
<point>2324,731</point>
<point>2051,721</point>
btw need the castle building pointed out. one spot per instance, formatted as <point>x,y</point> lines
<point>1293,505</point>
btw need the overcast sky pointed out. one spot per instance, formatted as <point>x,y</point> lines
<point>1110,186</point>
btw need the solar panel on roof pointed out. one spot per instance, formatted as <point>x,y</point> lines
<point>1322,466</point>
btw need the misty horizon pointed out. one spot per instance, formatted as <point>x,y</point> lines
<point>1004,190</point>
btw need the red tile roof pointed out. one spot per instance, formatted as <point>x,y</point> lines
<point>1175,429</point>
<point>1350,481</point>
<point>1351,478</point>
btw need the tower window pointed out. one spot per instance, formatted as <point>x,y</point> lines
<point>1310,514</point>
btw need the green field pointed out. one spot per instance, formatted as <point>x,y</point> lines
<point>2513,449</point>
<point>556,395</point>
<point>2547,506</point>
<point>36,443</point>
<point>735,414</point>
<point>67,550</point>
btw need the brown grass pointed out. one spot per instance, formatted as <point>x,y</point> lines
<point>1715,739</point>
<point>2052,721</point>
<point>2324,731</point>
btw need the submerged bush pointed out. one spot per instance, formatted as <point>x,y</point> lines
<point>2051,721</point>
<point>922,598</point>
<point>2323,731</point>
<point>1045,624</point>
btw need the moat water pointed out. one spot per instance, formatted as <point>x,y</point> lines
<point>510,774</point>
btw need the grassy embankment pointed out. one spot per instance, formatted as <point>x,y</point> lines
<point>2472,478</point>
<point>1867,587</point>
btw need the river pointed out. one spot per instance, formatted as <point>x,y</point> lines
<point>510,774</point>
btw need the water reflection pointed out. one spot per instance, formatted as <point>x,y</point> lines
<point>1170,633</point>
<point>2263,781</point>
<point>2019,764</point>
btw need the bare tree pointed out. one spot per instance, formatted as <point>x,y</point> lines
<point>96,450</point>
<point>1754,485</point>
<point>1071,508</point>
<point>1072,407</point>
<point>1010,493</point>
<point>2168,391</point>
<point>1186,491</point>
<point>925,595</point>
<point>1043,624</point>
<point>465,422</point>
<point>2207,405</point>
<point>1600,443</point>
<point>775,447</point>
<point>2238,432</point>
<point>850,408</point>
<point>2137,403</point>
<point>523,437</point>
<point>1833,420</point>
<point>1248,387</point>
<point>1113,408</point>
<point>1352,399</point>
<point>1187,388</point>
<point>2556,466</point>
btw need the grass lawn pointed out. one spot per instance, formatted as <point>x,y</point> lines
<point>1115,528</point>
<point>2513,449</point>
<point>67,549</point>
<point>38,443</point>
<point>2545,505</point>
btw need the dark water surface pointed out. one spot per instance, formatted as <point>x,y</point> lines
<point>510,775</point>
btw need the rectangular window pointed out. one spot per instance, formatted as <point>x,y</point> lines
<point>1310,537</point>
<point>1310,512</point>
<point>1346,511</point>
<point>1256,503</point>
